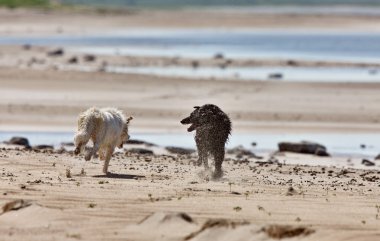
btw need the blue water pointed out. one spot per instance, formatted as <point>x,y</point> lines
<point>295,74</point>
<point>336,143</point>
<point>317,45</point>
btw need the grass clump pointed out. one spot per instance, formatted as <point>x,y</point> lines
<point>91,205</point>
<point>24,3</point>
<point>237,208</point>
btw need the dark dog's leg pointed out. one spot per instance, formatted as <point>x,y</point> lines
<point>202,153</point>
<point>219,158</point>
<point>203,158</point>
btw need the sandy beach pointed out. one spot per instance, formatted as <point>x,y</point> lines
<point>164,196</point>
<point>331,203</point>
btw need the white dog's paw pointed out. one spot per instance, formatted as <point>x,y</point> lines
<point>87,156</point>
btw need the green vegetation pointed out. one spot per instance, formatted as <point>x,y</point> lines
<point>24,3</point>
<point>53,4</point>
<point>199,3</point>
<point>237,209</point>
<point>91,205</point>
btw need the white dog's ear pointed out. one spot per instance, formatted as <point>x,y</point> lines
<point>129,119</point>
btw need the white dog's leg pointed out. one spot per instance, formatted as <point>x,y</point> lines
<point>102,154</point>
<point>80,140</point>
<point>88,155</point>
<point>107,160</point>
<point>92,151</point>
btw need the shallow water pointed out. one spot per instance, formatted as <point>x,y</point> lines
<point>299,74</point>
<point>278,44</point>
<point>237,43</point>
<point>337,144</point>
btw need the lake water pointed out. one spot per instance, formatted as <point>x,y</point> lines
<point>299,74</point>
<point>237,43</point>
<point>324,45</point>
<point>337,144</point>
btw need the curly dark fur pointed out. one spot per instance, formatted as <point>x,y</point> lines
<point>213,128</point>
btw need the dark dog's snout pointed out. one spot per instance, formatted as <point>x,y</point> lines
<point>185,121</point>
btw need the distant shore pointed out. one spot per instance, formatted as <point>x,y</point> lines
<point>57,22</point>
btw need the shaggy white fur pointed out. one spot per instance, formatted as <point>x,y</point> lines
<point>107,128</point>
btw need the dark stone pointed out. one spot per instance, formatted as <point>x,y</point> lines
<point>139,142</point>
<point>61,150</point>
<point>89,58</point>
<point>22,141</point>
<point>321,152</point>
<point>240,152</point>
<point>195,64</point>
<point>67,144</point>
<point>218,56</point>
<point>303,147</point>
<point>291,191</point>
<point>73,60</point>
<point>222,66</point>
<point>292,63</point>
<point>275,76</point>
<point>372,71</point>
<point>377,157</point>
<point>56,52</point>
<point>228,61</point>
<point>141,151</point>
<point>179,150</point>
<point>27,46</point>
<point>235,193</point>
<point>367,163</point>
<point>43,147</point>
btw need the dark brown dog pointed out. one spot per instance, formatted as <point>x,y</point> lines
<point>213,128</point>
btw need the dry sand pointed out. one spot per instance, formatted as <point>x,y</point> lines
<point>330,203</point>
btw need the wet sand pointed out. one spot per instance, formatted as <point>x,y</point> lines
<point>51,100</point>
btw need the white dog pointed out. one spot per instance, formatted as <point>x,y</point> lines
<point>107,128</point>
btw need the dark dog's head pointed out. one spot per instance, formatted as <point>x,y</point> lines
<point>193,119</point>
<point>201,115</point>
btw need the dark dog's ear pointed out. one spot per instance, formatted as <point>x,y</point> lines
<point>129,119</point>
<point>197,107</point>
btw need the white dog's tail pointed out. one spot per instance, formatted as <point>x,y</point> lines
<point>87,123</point>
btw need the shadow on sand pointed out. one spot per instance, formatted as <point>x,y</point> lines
<point>119,176</point>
